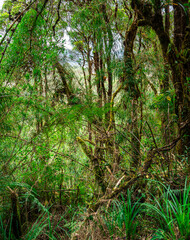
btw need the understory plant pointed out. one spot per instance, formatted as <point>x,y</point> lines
<point>172,213</point>
<point>44,226</point>
<point>122,217</point>
<point>5,231</point>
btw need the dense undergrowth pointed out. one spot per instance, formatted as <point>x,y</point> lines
<point>159,213</point>
<point>95,119</point>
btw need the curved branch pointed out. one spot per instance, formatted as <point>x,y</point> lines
<point>58,18</point>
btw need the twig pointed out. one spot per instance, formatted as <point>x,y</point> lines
<point>152,134</point>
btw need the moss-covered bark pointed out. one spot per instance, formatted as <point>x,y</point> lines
<point>96,164</point>
<point>175,54</point>
<point>130,85</point>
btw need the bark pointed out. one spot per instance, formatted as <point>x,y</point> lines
<point>108,42</point>
<point>16,219</point>
<point>71,97</point>
<point>131,179</point>
<point>96,164</point>
<point>130,85</point>
<point>98,76</point>
<point>181,41</point>
<point>164,87</point>
<point>178,59</point>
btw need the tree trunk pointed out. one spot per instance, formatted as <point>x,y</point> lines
<point>131,86</point>
<point>177,55</point>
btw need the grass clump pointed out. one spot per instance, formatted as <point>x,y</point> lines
<point>122,217</point>
<point>172,213</point>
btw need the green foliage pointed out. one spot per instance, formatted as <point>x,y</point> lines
<point>164,101</point>
<point>42,226</point>
<point>122,217</point>
<point>172,212</point>
<point>16,9</point>
<point>44,112</point>
<point>3,17</point>
<point>5,231</point>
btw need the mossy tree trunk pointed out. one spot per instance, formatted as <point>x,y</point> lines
<point>176,54</point>
<point>16,217</point>
<point>130,84</point>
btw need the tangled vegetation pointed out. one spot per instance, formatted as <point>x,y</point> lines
<point>95,119</point>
